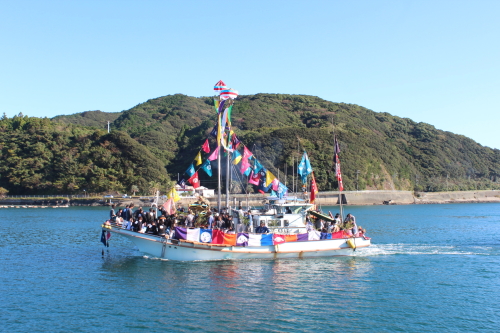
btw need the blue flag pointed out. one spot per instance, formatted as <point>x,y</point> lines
<point>256,166</point>
<point>304,168</point>
<point>190,171</point>
<point>281,190</point>
<point>206,235</point>
<point>207,167</point>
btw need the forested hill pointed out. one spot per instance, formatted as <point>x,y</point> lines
<point>96,118</point>
<point>378,151</point>
<point>39,156</point>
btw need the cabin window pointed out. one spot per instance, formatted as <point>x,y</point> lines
<point>287,223</point>
<point>274,223</point>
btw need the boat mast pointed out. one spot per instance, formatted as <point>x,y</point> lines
<point>340,189</point>
<point>227,180</point>
<point>218,169</point>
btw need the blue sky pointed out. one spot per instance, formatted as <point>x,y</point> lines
<point>431,61</point>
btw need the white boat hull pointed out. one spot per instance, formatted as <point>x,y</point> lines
<point>188,251</point>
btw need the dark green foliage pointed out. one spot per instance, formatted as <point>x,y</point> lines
<point>389,152</point>
<point>96,118</point>
<point>44,157</point>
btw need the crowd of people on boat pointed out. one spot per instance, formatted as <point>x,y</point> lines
<point>148,221</point>
<point>349,225</point>
<point>163,223</point>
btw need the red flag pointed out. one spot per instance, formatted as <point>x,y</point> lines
<point>314,189</point>
<point>194,180</point>
<point>206,147</point>
<point>219,86</point>
<point>254,178</point>
<point>339,175</point>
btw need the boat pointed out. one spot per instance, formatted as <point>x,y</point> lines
<point>290,235</point>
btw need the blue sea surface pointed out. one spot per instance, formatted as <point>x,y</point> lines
<point>432,268</point>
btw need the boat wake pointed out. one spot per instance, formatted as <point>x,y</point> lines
<point>422,249</point>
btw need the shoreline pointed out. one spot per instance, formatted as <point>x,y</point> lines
<point>350,198</point>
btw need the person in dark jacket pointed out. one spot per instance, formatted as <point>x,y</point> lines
<point>262,229</point>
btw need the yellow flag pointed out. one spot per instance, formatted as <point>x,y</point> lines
<point>173,195</point>
<point>269,178</point>
<point>219,132</point>
<point>198,158</point>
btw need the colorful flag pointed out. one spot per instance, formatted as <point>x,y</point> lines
<point>246,153</point>
<point>278,239</point>
<point>236,157</point>
<point>228,115</point>
<point>172,194</point>
<point>206,147</point>
<point>190,171</point>
<point>217,237</point>
<point>229,239</point>
<point>198,158</point>
<point>339,174</point>
<point>254,239</point>
<point>205,235</point>
<point>242,239</point>
<point>224,121</point>
<point>207,167</point>
<point>193,234</point>
<point>194,180</point>
<point>256,166</point>
<point>254,178</point>
<point>304,168</point>
<point>219,131</point>
<point>228,93</point>
<point>290,238</point>
<point>269,178</point>
<point>302,237</point>
<point>275,184</point>
<point>314,235</point>
<point>221,106</point>
<point>213,132</point>
<point>236,141</point>
<point>182,183</point>
<point>214,155</point>
<point>216,104</point>
<point>219,86</point>
<point>180,233</point>
<point>314,189</point>
<point>263,188</point>
<point>247,171</point>
<point>169,206</point>
<point>282,190</point>
<point>267,239</point>
<point>244,165</point>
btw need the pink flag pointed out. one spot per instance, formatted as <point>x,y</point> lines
<point>254,178</point>
<point>206,147</point>
<point>214,155</point>
<point>276,184</point>
<point>168,205</point>
<point>244,165</point>
<point>246,153</point>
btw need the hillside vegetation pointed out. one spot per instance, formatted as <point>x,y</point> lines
<point>39,156</point>
<point>378,150</point>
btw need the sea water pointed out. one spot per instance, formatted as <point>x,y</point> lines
<point>432,268</point>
